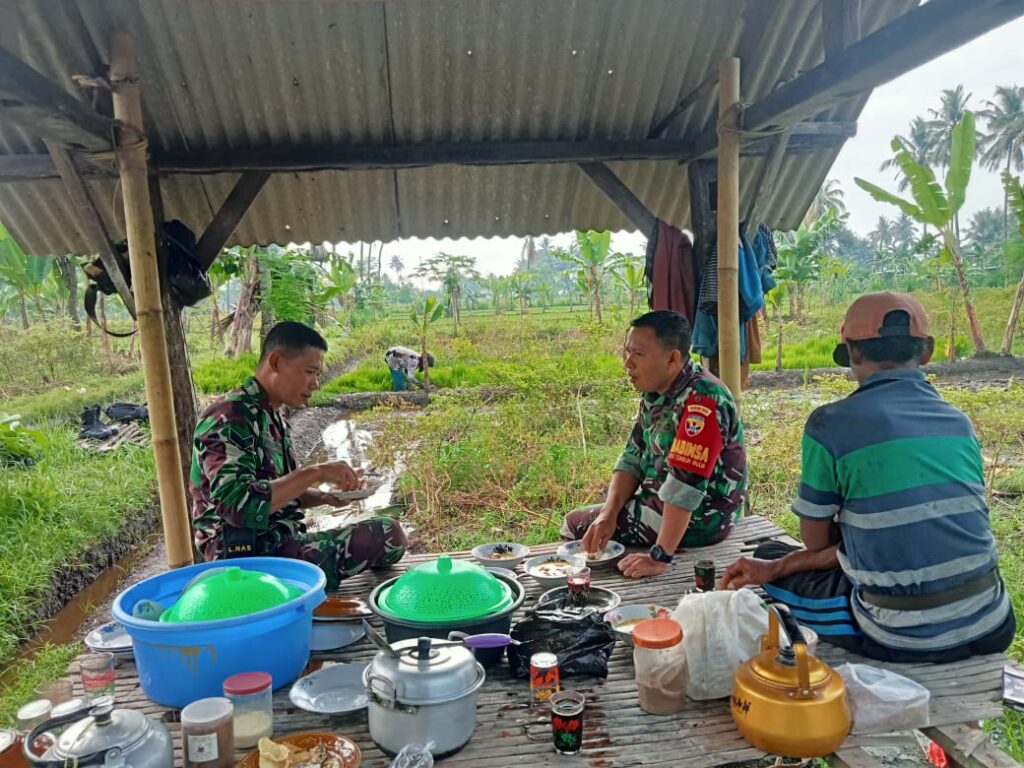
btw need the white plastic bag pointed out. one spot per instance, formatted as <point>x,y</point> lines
<point>414,756</point>
<point>882,701</point>
<point>721,630</point>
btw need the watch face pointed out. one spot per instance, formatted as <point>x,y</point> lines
<point>657,553</point>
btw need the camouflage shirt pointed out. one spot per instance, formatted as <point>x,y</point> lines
<point>686,448</point>
<point>241,444</point>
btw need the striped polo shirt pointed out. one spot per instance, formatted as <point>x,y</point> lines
<point>900,470</point>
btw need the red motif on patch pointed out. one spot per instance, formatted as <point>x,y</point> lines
<point>698,441</point>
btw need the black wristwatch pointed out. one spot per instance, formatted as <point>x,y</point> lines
<point>660,555</point>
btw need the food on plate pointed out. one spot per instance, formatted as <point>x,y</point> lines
<point>282,755</point>
<point>552,568</point>
<point>502,552</point>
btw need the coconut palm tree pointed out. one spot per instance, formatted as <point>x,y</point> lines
<point>397,266</point>
<point>919,141</point>
<point>881,237</point>
<point>830,195</point>
<point>903,231</point>
<point>1003,143</point>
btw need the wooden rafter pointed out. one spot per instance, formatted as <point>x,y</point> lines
<point>230,213</point>
<point>44,109</point>
<point>630,205</point>
<point>91,221</point>
<point>765,184</point>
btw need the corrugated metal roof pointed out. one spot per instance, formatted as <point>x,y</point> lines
<point>262,73</point>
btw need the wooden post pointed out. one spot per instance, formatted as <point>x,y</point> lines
<point>131,161</point>
<point>728,224</point>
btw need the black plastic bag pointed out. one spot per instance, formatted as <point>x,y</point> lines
<point>583,646</point>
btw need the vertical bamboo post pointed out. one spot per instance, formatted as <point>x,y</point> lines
<point>728,224</point>
<point>138,216</point>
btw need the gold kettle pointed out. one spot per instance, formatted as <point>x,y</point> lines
<point>786,701</point>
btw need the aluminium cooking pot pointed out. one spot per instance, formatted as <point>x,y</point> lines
<point>104,736</point>
<point>423,691</point>
<point>786,701</point>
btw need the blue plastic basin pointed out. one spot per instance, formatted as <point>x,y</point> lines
<point>179,663</point>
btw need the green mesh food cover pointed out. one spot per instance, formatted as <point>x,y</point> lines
<point>446,590</point>
<point>233,592</point>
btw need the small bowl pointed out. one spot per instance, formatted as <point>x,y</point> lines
<point>535,568</point>
<point>625,617</point>
<point>508,556</point>
<point>611,554</point>
<point>598,599</point>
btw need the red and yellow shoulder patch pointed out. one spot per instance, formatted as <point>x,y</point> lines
<point>698,441</point>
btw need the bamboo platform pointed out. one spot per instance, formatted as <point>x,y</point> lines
<point>617,732</point>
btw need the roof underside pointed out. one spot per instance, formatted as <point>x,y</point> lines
<point>219,76</point>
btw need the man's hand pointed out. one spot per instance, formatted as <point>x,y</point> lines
<point>599,534</point>
<point>638,565</point>
<point>339,474</point>
<point>748,570</point>
<point>315,498</point>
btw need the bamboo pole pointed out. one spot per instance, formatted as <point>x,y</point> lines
<point>138,215</point>
<point>728,224</point>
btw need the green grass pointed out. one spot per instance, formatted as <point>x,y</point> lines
<point>53,513</point>
<point>218,375</point>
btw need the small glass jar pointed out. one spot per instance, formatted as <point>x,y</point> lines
<point>207,734</point>
<point>250,693</point>
<point>659,660</point>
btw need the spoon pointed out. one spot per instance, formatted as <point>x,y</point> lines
<point>378,640</point>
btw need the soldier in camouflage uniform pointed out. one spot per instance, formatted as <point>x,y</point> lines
<point>248,492</point>
<point>683,474</point>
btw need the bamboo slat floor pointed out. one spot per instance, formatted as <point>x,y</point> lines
<point>617,731</point>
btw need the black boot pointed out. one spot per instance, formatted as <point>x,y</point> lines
<point>127,412</point>
<point>92,427</point>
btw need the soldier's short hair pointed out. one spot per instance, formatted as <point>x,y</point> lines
<point>670,328</point>
<point>291,338</point>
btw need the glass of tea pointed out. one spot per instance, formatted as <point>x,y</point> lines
<point>98,674</point>
<point>567,721</point>
<point>579,587</point>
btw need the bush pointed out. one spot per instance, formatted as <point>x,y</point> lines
<point>19,446</point>
<point>223,374</point>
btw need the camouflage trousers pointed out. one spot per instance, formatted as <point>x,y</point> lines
<point>379,542</point>
<point>638,526</point>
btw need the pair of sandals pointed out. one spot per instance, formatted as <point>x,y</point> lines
<point>94,428</point>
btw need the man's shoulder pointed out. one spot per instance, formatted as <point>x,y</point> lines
<point>707,384</point>
<point>237,407</point>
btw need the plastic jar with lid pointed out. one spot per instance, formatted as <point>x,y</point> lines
<point>250,693</point>
<point>207,734</point>
<point>659,659</point>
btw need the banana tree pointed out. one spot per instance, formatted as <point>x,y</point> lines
<point>1015,202</point>
<point>25,274</point>
<point>631,278</point>
<point>423,316</point>
<point>938,206</point>
<point>337,280</point>
<point>522,288</point>
<point>594,261</point>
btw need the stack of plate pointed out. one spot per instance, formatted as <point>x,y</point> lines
<point>110,638</point>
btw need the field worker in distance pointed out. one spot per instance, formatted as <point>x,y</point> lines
<point>899,561</point>
<point>683,474</point>
<point>247,490</point>
<point>403,364</point>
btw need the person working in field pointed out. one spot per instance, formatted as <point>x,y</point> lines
<point>899,561</point>
<point>247,489</point>
<point>683,474</point>
<point>403,363</point>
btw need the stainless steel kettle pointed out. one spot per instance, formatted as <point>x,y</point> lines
<point>104,736</point>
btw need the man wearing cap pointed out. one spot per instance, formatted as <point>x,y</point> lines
<point>899,561</point>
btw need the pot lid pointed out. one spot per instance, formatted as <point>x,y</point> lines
<point>446,590</point>
<point>425,672</point>
<point>769,667</point>
<point>103,729</point>
<point>232,592</point>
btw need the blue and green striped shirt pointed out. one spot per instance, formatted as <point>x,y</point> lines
<point>900,470</point>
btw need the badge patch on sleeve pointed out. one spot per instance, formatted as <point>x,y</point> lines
<point>698,441</point>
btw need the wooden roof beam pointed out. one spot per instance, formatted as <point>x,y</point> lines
<point>918,36</point>
<point>44,109</point>
<point>624,199</point>
<point>227,217</point>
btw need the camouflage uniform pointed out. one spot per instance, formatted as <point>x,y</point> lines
<point>241,444</point>
<point>680,458</point>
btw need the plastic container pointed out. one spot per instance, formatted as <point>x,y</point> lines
<point>180,663</point>
<point>659,660</point>
<point>250,695</point>
<point>446,590</point>
<point>207,734</point>
<point>235,591</point>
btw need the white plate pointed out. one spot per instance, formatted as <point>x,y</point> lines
<point>331,690</point>
<point>110,637</point>
<point>329,635</point>
<point>612,552</point>
<point>371,487</point>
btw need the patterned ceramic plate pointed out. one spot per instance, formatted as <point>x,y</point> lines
<point>331,690</point>
<point>611,553</point>
<point>340,748</point>
<point>111,638</point>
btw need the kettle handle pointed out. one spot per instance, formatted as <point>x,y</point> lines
<point>779,613</point>
<point>96,758</point>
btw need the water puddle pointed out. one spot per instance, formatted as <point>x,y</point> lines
<point>344,441</point>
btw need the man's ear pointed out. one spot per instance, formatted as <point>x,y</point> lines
<point>929,350</point>
<point>675,357</point>
<point>274,361</point>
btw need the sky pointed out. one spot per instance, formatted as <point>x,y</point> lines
<point>994,59</point>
